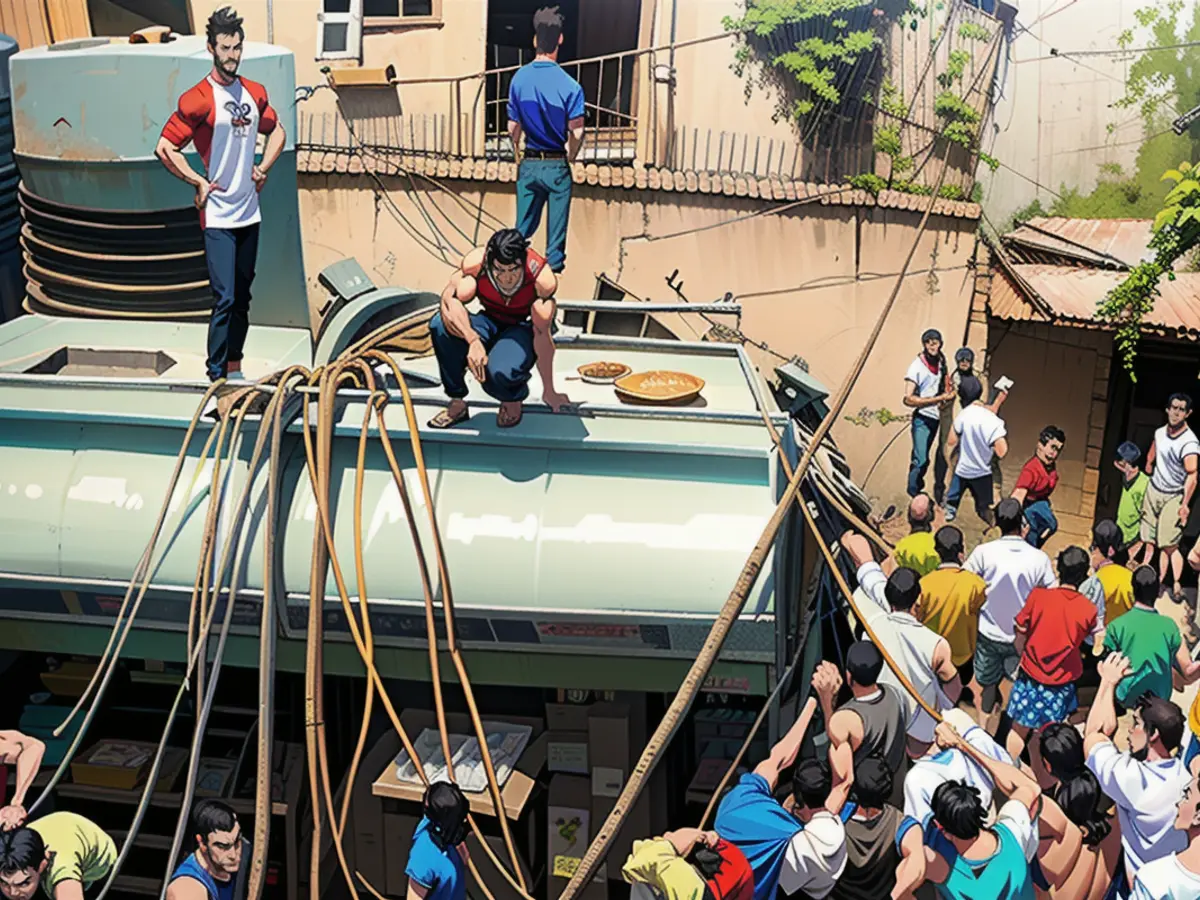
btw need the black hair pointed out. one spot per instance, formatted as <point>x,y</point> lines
<point>1052,433</point>
<point>958,809</point>
<point>1073,565</point>
<point>873,782</point>
<point>922,523</point>
<point>1009,516</point>
<point>1145,585</point>
<point>548,28</point>
<point>903,589</point>
<point>446,808</point>
<point>209,816</point>
<point>1164,718</point>
<point>1078,792</point>
<point>811,783</point>
<point>949,543</point>
<point>864,662</point>
<point>1182,398</point>
<point>507,247</point>
<point>705,860</point>
<point>1129,452</point>
<point>1107,537</point>
<point>21,849</point>
<point>969,389</point>
<point>224,21</point>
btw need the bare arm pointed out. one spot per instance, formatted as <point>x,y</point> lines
<point>1009,780</point>
<point>845,732</point>
<point>415,891</point>
<point>1189,668</point>
<point>857,547</point>
<point>1151,457</point>
<point>1102,718</point>
<point>514,135</point>
<point>70,889</point>
<point>1019,494</point>
<point>274,147</point>
<point>176,163</point>
<point>946,671</point>
<point>460,291</point>
<point>542,316</point>
<point>784,753</point>
<point>26,754</point>
<point>574,138</point>
<point>1000,448</point>
<point>1189,487</point>
<point>951,445</point>
<point>180,889</point>
<point>912,400</point>
<point>917,864</point>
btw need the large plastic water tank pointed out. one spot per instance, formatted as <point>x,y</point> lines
<point>107,230</point>
<point>11,286</point>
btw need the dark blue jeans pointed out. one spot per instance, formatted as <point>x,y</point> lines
<point>981,493</point>
<point>1042,523</point>
<point>231,254</point>
<point>510,357</point>
<point>924,433</point>
<point>541,182</point>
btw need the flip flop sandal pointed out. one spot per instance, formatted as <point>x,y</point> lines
<point>512,423</point>
<point>444,420</point>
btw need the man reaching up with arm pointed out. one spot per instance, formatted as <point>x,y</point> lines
<point>25,753</point>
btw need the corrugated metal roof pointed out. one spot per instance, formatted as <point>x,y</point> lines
<point>1073,293</point>
<point>1109,243</point>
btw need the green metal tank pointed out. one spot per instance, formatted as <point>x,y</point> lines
<point>110,230</point>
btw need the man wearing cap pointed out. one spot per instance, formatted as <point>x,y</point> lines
<point>925,390</point>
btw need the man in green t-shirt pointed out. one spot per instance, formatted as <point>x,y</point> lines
<point>1151,642</point>
<point>63,853</point>
<point>1133,492</point>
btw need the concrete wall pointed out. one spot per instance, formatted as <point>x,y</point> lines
<point>1061,377</point>
<point>811,281</point>
<point>1051,124</point>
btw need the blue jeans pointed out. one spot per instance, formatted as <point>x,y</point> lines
<point>924,433</point>
<point>510,357</point>
<point>1042,522</point>
<point>231,254</point>
<point>540,181</point>
<point>981,493</point>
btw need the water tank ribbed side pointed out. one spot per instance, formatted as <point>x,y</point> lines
<point>11,283</point>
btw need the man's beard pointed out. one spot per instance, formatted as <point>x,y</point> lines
<point>229,67</point>
<point>1140,755</point>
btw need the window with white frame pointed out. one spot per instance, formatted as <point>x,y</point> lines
<point>341,22</point>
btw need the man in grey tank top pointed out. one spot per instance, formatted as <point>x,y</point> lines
<point>872,723</point>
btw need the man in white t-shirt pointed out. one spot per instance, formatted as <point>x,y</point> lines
<point>1011,568</point>
<point>979,436</point>
<point>926,388</point>
<point>1176,876</point>
<point>1172,466</point>
<point>1146,783</point>
<point>222,117</point>
<point>886,605</point>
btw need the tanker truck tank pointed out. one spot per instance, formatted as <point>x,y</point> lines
<point>107,230</point>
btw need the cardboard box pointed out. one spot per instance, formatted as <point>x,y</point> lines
<point>567,716</point>
<point>495,881</point>
<point>568,833</point>
<point>567,751</point>
<point>612,752</point>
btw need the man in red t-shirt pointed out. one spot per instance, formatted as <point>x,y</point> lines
<point>1037,482</point>
<point>222,117</point>
<point>500,344</point>
<point>1051,629</point>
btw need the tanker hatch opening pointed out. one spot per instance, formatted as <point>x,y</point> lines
<point>84,362</point>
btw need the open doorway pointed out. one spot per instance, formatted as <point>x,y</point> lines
<point>593,28</point>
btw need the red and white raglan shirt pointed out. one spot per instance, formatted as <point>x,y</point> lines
<point>223,122</point>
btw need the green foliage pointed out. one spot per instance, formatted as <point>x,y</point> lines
<point>952,192</point>
<point>956,64</point>
<point>959,118</point>
<point>1176,234</point>
<point>973,32</point>
<point>910,187</point>
<point>1160,83</point>
<point>1034,210</point>
<point>887,141</point>
<point>977,193</point>
<point>865,417</point>
<point>812,64</point>
<point>890,100</point>
<point>988,160</point>
<point>869,182</point>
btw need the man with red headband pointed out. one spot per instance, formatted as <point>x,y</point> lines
<point>688,864</point>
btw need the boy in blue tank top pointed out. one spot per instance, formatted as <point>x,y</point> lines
<point>436,867</point>
<point>210,873</point>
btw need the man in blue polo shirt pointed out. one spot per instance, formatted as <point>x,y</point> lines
<point>546,105</point>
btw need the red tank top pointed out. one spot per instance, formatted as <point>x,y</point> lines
<point>735,879</point>
<point>515,309</point>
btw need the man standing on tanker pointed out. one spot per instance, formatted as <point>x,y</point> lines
<point>223,116</point>
<point>500,344</point>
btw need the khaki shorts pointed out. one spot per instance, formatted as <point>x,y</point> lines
<point>1160,518</point>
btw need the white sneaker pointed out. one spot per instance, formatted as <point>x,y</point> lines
<point>235,376</point>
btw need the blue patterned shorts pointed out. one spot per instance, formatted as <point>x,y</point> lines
<point>1034,705</point>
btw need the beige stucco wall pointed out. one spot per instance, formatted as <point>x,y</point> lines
<point>811,281</point>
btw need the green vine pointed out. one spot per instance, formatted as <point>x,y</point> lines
<point>865,417</point>
<point>869,182</point>
<point>959,117</point>
<point>956,65</point>
<point>988,160</point>
<point>1176,233</point>
<point>973,32</point>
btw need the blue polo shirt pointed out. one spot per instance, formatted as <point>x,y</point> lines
<point>441,872</point>
<point>543,99</point>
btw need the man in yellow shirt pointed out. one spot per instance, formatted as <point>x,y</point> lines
<point>915,550</point>
<point>1111,585</point>
<point>951,598</point>
<point>688,864</point>
<point>63,853</point>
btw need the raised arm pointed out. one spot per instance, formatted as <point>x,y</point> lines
<point>1102,718</point>
<point>784,753</point>
<point>1009,780</point>
<point>25,753</point>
